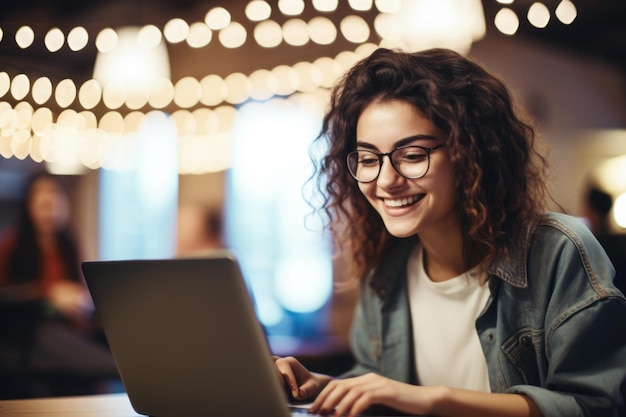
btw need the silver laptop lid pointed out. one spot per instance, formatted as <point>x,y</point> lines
<point>185,337</point>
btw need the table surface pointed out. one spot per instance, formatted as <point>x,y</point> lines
<point>108,405</point>
<point>104,405</point>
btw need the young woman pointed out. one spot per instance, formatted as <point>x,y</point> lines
<point>45,309</point>
<point>39,259</point>
<point>474,300</point>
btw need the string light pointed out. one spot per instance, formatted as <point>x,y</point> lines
<point>217,18</point>
<point>257,11</point>
<point>20,86</point>
<point>360,5</point>
<point>566,12</point>
<point>268,34</point>
<point>325,6</point>
<point>506,21</point>
<point>214,90</point>
<point>42,90</point>
<point>106,40</point>
<point>200,35</point>
<point>24,37</point>
<point>54,39</point>
<point>176,30</point>
<point>295,32</point>
<point>306,82</point>
<point>322,30</point>
<point>355,29</point>
<point>538,15</point>
<point>77,38</point>
<point>65,93</point>
<point>149,36</point>
<point>89,94</point>
<point>291,7</point>
<point>233,36</point>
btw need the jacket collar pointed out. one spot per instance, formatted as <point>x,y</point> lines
<point>512,270</point>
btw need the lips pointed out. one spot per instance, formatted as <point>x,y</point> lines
<point>403,202</point>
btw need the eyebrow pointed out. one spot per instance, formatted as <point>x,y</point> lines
<point>401,142</point>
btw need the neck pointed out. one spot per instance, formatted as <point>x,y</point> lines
<point>46,240</point>
<point>443,254</point>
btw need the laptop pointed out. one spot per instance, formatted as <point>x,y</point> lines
<point>185,337</point>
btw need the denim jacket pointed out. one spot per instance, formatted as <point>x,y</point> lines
<point>553,329</point>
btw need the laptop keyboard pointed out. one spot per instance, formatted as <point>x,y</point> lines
<point>300,412</point>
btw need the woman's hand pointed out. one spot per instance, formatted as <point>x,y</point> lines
<point>301,383</point>
<point>352,396</point>
<point>71,300</point>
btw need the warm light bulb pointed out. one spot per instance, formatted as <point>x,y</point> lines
<point>322,30</point>
<point>355,29</point>
<point>258,10</point>
<point>233,36</point>
<point>176,30</point>
<point>149,36</point>
<point>200,35</point>
<point>291,7</point>
<point>5,83</point>
<point>268,34</point>
<point>360,5</point>
<point>566,12</point>
<point>217,18</point>
<point>24,37</point>
<point>187,92</point>
<point>538,15</point>
<point>20,86</point>
<point>325,6</point>
<point>214,90</point>
<point>54,39</point>
<point>77,38</point>
<point>42,90</point>
<point>106,40</point>
<point>619,210</point>
<point>506,21</point>
<point>89,94</point>
<point>239,88</point>
<point>65,93</point>
<point>295,32</point>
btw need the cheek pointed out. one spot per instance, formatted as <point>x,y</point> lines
<point>367,189</point>
<point>444,175</point>
<point>442,187</point>
<point>448,190</point>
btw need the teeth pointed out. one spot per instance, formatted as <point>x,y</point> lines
<point>402,201</point>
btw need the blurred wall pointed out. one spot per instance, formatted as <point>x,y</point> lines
<point>573,99</point>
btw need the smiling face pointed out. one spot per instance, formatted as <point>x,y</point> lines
<point>408,206</point>
<point>48,206</point>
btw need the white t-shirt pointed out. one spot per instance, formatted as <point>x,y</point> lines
<point>446,346</point>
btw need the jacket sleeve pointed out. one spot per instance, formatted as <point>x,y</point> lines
<point>585,334</point>
<point>587,364</point>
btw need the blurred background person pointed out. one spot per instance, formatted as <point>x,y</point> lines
<point>50,343</point>
<point>199,229</point>
<point>597,209</point>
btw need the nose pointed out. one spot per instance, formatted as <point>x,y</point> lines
<point>388,175</point>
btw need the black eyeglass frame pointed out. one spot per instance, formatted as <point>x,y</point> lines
<point>389,154</point>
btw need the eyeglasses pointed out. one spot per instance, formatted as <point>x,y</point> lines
<point>411,162</point>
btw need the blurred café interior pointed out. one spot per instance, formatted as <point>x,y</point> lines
<point>183,126</point>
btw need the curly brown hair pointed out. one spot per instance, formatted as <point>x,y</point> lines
<point>500,175</point>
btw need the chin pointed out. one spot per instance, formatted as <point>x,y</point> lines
<point>403,235</point>
<point>401,232</point>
